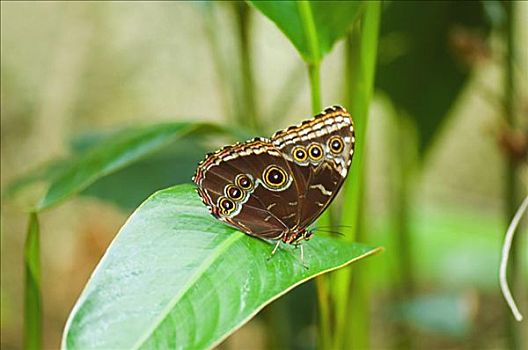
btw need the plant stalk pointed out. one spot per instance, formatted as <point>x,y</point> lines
<point>321,282</point>
<point>32,296</point>
<point>249,117</point>
<point>351,296</point>
<point>512,188</point>
<point>404,140</point>
<point>315,86</point>
<point>219,63</point>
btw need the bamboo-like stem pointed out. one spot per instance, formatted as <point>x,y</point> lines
<point>315,86</point>
<point>32,296</point>
<point>219,63</point>
<point>405,141</point>
<point>353,197</point>
<point>360,66</point>
<point>314,63</point>
<point>322,282</point>
<point>511,183</point>
<point>351,297</point>
<point>355,327</point>
<point>277,325</point>
<point>323,301</point>
<point>249,117</point>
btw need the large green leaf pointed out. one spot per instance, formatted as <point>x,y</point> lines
<point>113,154</point>
<point>418,67</point>
<point>175,277</point>
<point>312,26</point>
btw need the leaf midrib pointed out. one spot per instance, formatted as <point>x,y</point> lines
<point>235,236</point>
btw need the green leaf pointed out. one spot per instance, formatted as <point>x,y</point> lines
<point>41,173</point>
<point>312,27</point>
<point>174,165</point>
<point>114,154</point>
<point>175,277</point>
<point>32,299</point>
<point>418,66</point>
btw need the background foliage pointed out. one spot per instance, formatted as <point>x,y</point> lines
<point>442,142</point>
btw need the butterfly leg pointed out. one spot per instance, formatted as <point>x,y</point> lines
<point>297,245</point>
<point>274,249</point>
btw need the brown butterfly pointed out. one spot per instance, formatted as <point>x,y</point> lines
<point>275,188</point>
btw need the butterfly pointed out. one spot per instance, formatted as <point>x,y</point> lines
<point>274,189</point>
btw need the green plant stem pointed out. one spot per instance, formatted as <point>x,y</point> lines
<point>354,324</point>
<point>314,71</point>
<point>360,56</point>
<point>512,187</point>
<point>249,117</point>
<point>322,282</point>
<point>32,298</point>
<point>323,301</point>
<point>277,324</point>
<point>218,60</point>
<point>315,86</point>
<point>404,162</point>
<point>351,297</point>
<point>353,198</point>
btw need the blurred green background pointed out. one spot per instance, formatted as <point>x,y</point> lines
<point>73,73</point>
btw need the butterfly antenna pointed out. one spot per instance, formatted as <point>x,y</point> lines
<point>332,229</point>
<point>335,226</point>
<point>328,231</point>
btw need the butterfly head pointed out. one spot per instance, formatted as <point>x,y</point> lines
<point>295,237</point>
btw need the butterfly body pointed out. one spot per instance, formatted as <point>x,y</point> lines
<point>275,188</point>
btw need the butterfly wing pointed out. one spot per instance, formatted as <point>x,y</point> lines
<point>320,152</point>
<point>272,188</point>
<point>251,187</point>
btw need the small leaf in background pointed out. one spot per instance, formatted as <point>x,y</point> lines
<point>331,19</point>
<point>42,173</point>
<point>418,66</point>
<point>54,168</point>
<point>172,166</point>
<point>171,161</point>
<point>114,154</point>
<point>175,277</point>
<point>110,156</point>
